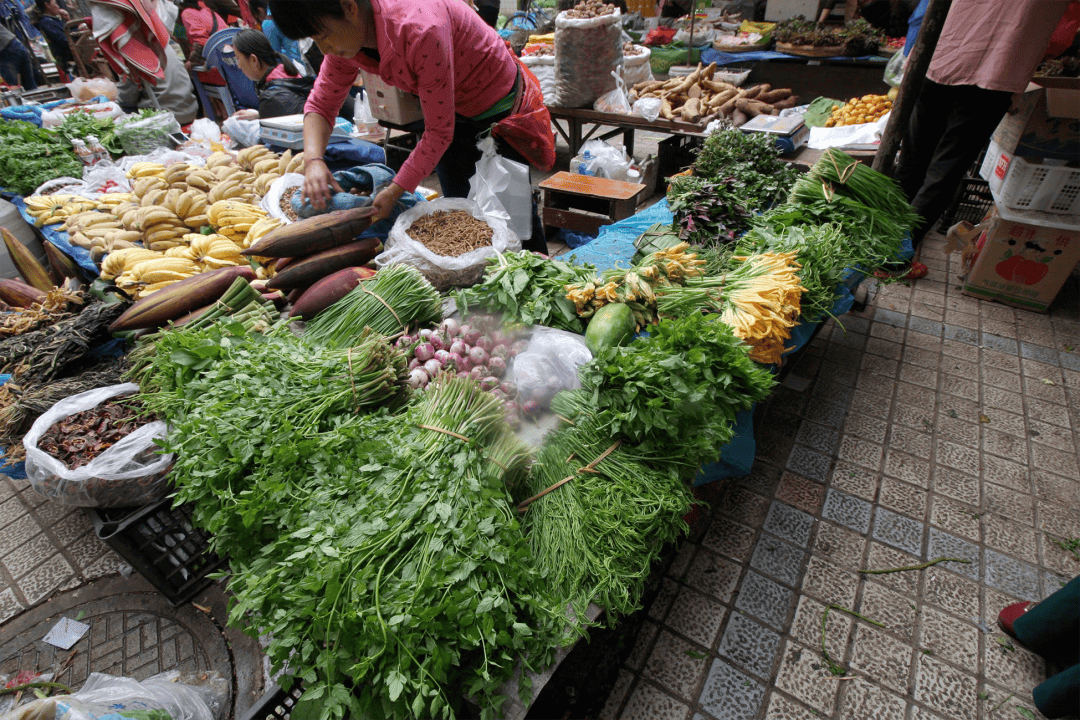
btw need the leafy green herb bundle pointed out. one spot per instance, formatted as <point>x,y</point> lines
<point>861,182</point>
<point>800,31</point>
<point>824,253</point>
<point>728,147</point>
<point>29,156</point>
<point>675,393</point>
<point>594,537</point>
<point>405,580</point>
<point>398,297</point>
<point>530,289</point>
<point>81,125</point>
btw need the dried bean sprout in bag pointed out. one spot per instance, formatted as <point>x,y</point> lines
<point>588,47</point>
<point>451,232</point>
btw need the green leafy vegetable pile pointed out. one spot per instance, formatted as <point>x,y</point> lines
<point>529,289</point>
<point>30,155</point>
<point>735,175</point>
<point>81,125</point>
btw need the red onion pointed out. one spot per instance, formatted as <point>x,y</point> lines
<point>501,351</point>
<point>458,346</point>
<point>510,407</point>
<point>497,366</point>
<point>425,333</point>
<point>437,341</point>
<point>433,367</point>
<point>489,383</point>
<point>456,361</point>
<point>485,342</point>
<point>476,373</point>
<point>418,378</point>
<point>519,347</point>
<point>443,356</point>
<point>531,408</point>
<point>471,336</point>
<point>424,352</point>
<point>478,355</point>
<point>509,388</point>
<point>414,363</point>
<point>450,327</point>
<point>462,374</point>
<point>464,329</point>
<point>404,341</point>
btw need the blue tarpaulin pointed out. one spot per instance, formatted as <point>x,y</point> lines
<point>58,238</point>
<point>724,58</point>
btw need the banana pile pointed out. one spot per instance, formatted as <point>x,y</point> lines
<point>150,237</point>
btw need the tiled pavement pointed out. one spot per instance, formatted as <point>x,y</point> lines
<point>935,426</point>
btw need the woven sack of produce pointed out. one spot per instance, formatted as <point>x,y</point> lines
<point>637,68</point>
<point>449,240</point>
<point>543,67</point>
<point>587,50</point>
<point>130,472</point>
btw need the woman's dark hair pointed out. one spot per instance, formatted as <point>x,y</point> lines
<point>253,42</point>
<point>299,19</point>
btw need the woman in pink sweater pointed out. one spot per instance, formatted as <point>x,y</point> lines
<point>466,77</point>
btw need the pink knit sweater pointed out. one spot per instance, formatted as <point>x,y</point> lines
<point>438,49</point>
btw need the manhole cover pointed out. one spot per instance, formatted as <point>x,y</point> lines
<point>132,634</point>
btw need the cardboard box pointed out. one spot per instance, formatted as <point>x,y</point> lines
<point>1028,130</point>
<point>1024,257</point>
<point>390,104</point>
<point>1062,96</point>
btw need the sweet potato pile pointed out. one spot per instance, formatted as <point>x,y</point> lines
<point>697,97</point>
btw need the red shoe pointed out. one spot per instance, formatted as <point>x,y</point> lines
<point>916,271</point>
<point>1008,616</point>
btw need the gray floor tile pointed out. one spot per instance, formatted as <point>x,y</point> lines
<point>942,544</point>
<point>808,463</point>
<point>924,326</point>
<point>1012,576</point>
<point>1039,352</point>
<point>790,524</point>
<point>847,510</point>
<point>776,558</point>
<point>750,646</point>
<point>764,599</point>
<point>888,317</point>
<point>899,531</point>
<point>961,334</point>
<point>730,694</point>
<point>995,342</point>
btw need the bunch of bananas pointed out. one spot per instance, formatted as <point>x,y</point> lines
<point>208,252</point>
<point>152,274</point>
<point>120,261</point>
<point>145,170</point>
<point>52,209</point>
<point>234,219</point>
<point>260,228</point>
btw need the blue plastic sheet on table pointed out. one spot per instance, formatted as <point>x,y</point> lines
<point>26,113</point>
<point>737,457</point>
<point>18,470</point>
<point>615,244</point>
<point>724,58</point>
<point>354,152</point>
<point>574,240</point>
<point>58,238</point>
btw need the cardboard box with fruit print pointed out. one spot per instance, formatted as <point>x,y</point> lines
<point>1024,257</point>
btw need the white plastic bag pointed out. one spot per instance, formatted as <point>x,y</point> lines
<point>648,108</point>
<point>586,51</point>
<point>363,120</point>
<point>501,188</point>
<point>702,36</point>
<point>894,70</point>
<point>549,365</point>
<point>205,129</point>
<point>131,472</point>
<point>605,160</point>
<point>106,697</point>
<point>863,135</point>
<point>64,186</point>
<point>543,67</point>
<point>271,201</point>
<point>637,68</point>
<point>445,272</point>
<point>244,132</point>
<point>100,175</point>
<point>614,101</point>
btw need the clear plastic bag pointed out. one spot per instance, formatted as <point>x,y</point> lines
<point>648,108</point>
<point>131,472</point>
<point>83,89</point>
<point>139,137</point>
<point>442,271</point>
<point>205,129</point>
<point>614,101</point>
<point>637,68</point>
<point>244,132</point>
<point>549,365</point>
<point>501,188</point>
<point>98,178</point>
<point>604,160</point>
<point>586,51</point>
<point>894,70</point>
<point>271,201</point>
<point>106,697</point>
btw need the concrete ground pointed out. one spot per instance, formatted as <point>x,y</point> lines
<point>929,425</point>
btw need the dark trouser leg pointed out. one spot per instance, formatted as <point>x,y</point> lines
<point>1060,695</point>
<point>969,115</point>
<point>1052,629</point>
<point>16,62</point>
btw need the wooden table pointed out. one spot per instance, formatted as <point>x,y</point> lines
<point>575,120</point>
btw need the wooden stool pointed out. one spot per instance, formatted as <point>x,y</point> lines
<point>583,203</point>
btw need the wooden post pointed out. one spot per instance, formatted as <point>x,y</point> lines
<point>917,64</point>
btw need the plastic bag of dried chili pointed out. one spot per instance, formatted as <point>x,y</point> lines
<point>130,471</point>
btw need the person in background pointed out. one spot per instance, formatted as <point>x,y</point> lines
<point>468,81</point>
<point>282,91</point>
<point>175,93</point>
<point>50,21</point>
<point>1051,629</point>
<point>16,66</point>
<point>488,10</point>
<point>982,58</point>
<point>278,42</point>
<point>888,16</point>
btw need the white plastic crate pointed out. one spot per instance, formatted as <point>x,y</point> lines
<point>1047,188</point>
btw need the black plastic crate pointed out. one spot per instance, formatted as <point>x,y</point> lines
<point>398,148</point>
<point>160,542</point>
<point>971,202</point>
<point>676,153</point>
<point>276,704</point>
